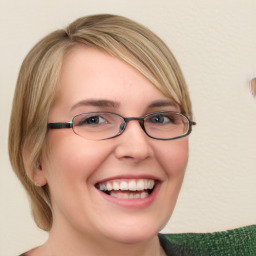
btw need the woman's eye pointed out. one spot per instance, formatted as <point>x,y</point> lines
<point>161,119</point>
<point>92,120</point>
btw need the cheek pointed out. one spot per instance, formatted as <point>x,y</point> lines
<point>173,157</point>
<point>71,157</point>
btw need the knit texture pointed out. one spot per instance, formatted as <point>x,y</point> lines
<point>236,242</point>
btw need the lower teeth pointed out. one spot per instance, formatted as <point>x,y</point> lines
<point>132,195</point>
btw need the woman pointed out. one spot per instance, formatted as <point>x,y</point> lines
<point>98,137</point>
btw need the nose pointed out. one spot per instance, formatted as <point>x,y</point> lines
<point>133,143</point>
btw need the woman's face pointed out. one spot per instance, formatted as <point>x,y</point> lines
<point>74,168</point>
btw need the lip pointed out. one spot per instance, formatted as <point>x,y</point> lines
<point>132,203</point>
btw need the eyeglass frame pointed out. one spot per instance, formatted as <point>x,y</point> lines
<point>63,125</point>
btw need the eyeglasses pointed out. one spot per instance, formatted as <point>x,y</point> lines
<point>161,125</point>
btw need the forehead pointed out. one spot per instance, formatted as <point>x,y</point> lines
<point>92,74</point>
<point>94,67</point>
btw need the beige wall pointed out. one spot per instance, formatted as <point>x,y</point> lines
<point>214,41</point>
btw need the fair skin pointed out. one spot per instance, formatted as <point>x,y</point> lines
<point>86,221</point>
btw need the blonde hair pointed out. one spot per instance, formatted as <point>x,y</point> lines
<point>38,82</point>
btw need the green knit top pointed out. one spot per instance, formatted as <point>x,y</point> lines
<point>236,242</point>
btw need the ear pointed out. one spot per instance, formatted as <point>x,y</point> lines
<point>38,175</point>
<point>33,170</point>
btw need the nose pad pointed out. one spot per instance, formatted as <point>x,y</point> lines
<point>122,127</point>
<point>142,125</point>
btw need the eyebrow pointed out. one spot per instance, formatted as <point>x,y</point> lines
<point>96,103</point>
<point>162,103</point>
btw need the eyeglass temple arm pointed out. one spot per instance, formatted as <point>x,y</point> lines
<point>59,125</point>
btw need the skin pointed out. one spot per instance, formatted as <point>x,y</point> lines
<point>82,217</point>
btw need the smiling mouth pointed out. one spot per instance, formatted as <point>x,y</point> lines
<point>127,189</point>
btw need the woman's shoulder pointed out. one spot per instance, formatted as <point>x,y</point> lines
<point>231,242</point>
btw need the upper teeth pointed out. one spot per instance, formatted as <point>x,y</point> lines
<point>132,185</point>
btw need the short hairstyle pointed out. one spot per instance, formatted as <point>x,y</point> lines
<point>38,82</point>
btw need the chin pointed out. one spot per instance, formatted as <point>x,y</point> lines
<point>135,231</point>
